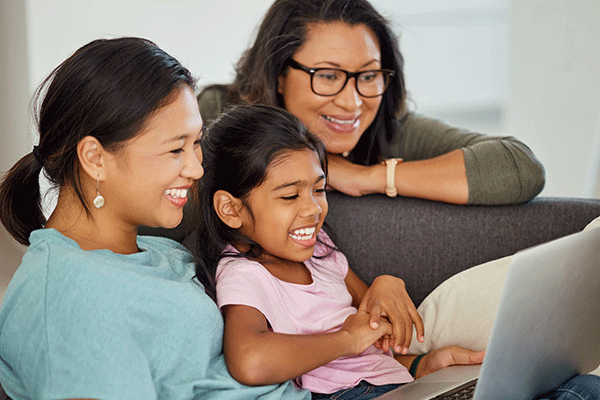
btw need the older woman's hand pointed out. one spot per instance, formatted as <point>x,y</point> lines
<point>354,179</point>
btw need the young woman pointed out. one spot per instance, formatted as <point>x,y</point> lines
<point>336,65</point>
<point>285,291</point>
<point>94,311</point>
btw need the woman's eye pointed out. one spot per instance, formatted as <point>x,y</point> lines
<point>177,151</point>
<point>320,190</point>
<point>292,197</point>
<point>327,75</point>
<point>368,76</point>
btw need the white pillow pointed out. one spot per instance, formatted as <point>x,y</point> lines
<point>461,310</point>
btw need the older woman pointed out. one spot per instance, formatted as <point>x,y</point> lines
<point>337,66</point>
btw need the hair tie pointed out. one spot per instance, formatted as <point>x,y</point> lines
<point>37,154</point>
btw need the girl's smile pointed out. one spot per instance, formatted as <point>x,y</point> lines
<point>305,236</point>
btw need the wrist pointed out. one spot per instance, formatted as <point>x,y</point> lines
<point>390,176</point>
<point>346,341</point>
<point>415,367</point>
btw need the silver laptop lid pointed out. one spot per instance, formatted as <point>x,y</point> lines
<point>551,303</point>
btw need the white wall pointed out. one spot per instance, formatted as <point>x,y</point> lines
<point>14,102</point>
<point>554,89</point>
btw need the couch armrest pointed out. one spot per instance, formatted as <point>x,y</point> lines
<point>425,242</point>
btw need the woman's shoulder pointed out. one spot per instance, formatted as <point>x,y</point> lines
<point>165,246</point>
<point>212,101</point>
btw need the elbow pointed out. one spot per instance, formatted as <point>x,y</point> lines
<point>249,369</point>
<point>534,182</point>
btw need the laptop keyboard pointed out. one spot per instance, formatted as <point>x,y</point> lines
<point>464,391</point>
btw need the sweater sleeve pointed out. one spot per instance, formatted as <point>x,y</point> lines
<point>211,102</point>
<point>500,169</point>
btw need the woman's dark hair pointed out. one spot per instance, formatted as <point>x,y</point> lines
<point>237,150</point>
<point>107,89</point>
<point>284,30</point>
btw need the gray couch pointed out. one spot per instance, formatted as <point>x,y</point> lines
<point>425,242</point>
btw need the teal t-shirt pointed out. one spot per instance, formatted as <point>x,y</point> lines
<point>102,325</point>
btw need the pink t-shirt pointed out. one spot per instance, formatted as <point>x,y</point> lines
<point>322,306</point>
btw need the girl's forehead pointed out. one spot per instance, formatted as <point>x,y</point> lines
<point>294,162</point>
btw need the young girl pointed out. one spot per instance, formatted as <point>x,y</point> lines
<point>291,305</point>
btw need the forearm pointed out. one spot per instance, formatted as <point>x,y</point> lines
<point>271,358</point>
<point>441,178</point>
<point>499,169</point>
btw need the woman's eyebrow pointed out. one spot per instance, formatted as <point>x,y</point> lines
<point>336,65</point>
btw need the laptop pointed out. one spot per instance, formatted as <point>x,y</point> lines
<point>547,328</point>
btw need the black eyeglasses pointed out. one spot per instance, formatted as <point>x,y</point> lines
<point>331,81</point>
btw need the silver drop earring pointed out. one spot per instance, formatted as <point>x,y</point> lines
<point>99,200</point>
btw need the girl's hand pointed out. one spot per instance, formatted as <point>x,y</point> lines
<point>354,179</point>
<point>362,335</point>
<point>387,297</point>
<point>447,356</point>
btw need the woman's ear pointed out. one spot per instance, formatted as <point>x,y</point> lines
<point>91,156</point>
<point>228,208</point>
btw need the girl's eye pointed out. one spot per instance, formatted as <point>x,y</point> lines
<point>177,151</point>
<point>197,143</point>
<point>320,190</point>
<point>295,196</point>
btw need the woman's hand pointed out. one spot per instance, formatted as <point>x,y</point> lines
<point>354,179</point>
<point>387,297</point>
<point>362,333</point>
<point>445,357</point>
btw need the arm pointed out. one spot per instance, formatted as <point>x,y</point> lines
<point>448,164</point>
<point>257,356</point>
<point>442,178</point>
<point>387,297</point>
<point>441,358</point>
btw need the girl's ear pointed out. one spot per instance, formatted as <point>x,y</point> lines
<point>92,157</point>
<point>228,208</point>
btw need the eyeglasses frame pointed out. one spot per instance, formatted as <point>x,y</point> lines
<point>312,71</point>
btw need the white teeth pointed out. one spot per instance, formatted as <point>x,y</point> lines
<point>176,193</point>
<point>341,122</point>
<point>303,234</point>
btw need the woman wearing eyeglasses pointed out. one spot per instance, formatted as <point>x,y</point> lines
<point>337,66</point>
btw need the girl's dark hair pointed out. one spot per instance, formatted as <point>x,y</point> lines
<point>284,30</point>
<point>107,89</point>
<point>237,150</point>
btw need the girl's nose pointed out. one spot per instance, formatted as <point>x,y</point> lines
<point>312,207</point>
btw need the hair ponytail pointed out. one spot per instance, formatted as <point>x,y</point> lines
<point>20,208</point>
